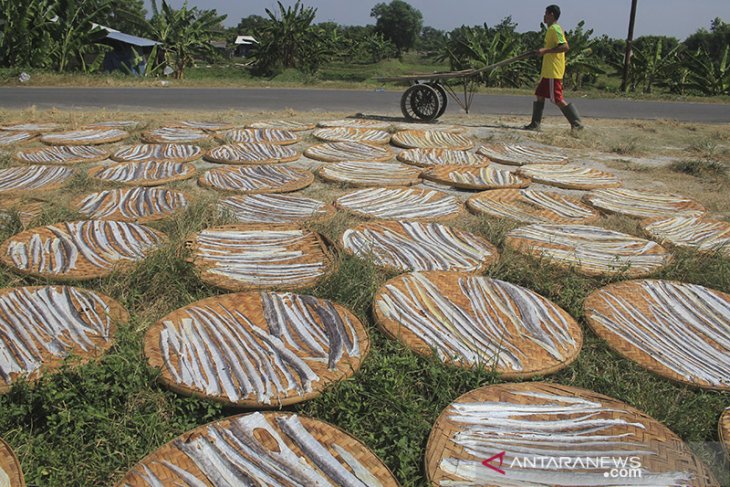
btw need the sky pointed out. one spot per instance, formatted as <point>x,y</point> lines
<point>678,18</point>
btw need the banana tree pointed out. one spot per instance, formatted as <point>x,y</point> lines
<point>76,32</point>
<point>582,61</point>
<point>26,37</point>
<point>184,33</point>
<point>710,76</point>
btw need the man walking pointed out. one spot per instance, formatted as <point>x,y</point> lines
<point>553,70</point>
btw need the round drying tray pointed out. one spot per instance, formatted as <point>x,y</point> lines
<point>32,127</point>
<point>431,139</point>
<point>723,430</point>
<point>402,204</point>
<point>528,206</point>
<point>281,449</point>
<point>349,134</point>
<point>378,174</point>
<point>441,157</point>
<point>175,135</point>
<point>348,151</point>
<point>256,179</point>
<point>260,136</point>
<point>642,204</point>
<point>548,434</point>
<point>60,154</point>
<point>569,177</point>
<point>590,250</point>
<point>158,152</point>
<point>473,321</point>
<point>257,349</point>
<point>85,137</point>
<point>12,138</point>
<point>147,173</point>
<point>243,257</point>
<point>251,153</point>
<point>275,208</point>
<point>358,123</point>
<point>41,326</point>
<point>14,180</point>
<point>694,232</point>
<point>415,246</point>
<point>290,125</point>
<point>519,154</point>
<point>10,470</point>
<point>139,205</point>
<point>81,250</point>
<point>475,178</point>
<point>674,329</point>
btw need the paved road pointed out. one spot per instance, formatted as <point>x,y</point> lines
<point>315,100</point>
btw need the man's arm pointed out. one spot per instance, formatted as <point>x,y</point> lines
<point>555,50</point>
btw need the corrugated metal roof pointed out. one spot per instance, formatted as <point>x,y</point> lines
<point>246,40</point>
<point>130,39</point>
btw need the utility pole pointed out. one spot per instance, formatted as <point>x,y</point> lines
<point>629,41</point>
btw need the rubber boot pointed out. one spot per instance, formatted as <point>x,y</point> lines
<point>537,109</point>
<point>571,113</point>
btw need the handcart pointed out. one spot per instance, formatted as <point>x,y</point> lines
<point>427,97</point>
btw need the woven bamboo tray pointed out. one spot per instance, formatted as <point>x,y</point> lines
<point>251,154</point>
<point>527,206</point>
<point>139,205</point>
<point>41,326</point>
<point>256,179</point>
<point>290,125</point>
<point>723,430</point>
<point>208,126</point>
<point>26,209</point>
<point>269,442</point>
<point>12,138</point>
<point>15,180</point>
<point>364,174</point>
<point>569,177</point>
<point>158,152</point>
<point>441,157</point>
<point>469,321</point>
<point>148,173</point>
<point>64,155</point>
<point>85,137</point>
<point>519,155</point>
<point>480,178</point>
<point>114,124</point>
<point>642,204</point>
<point>248,341</point>
<point>349,134</point>
<point>175,135</point>
<point>431,139</point>
<point>348,151</point>
<point>358,123</point>
<point>75,251</point>
<point>592,426</point>
<point>10,466</point>
<point>670,328</point>
<point>402,204</point>
<point>454,129</point>
<point>245,257</point>
<point>694,232</point>
<point>31,127</point>
<point>260,136</point>
<point>275,208</point>
<point>414,246</point>
<point>590,250</point>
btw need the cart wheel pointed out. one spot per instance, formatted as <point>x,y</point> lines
<point>443,99</point>
<point>420,102</point>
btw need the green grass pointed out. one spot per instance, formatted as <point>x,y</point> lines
<point>88,424</point>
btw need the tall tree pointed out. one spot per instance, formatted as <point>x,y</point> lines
<point>251,25</point>
<point>399,23</point>
<point>183,33</point>
<point>127,16</point>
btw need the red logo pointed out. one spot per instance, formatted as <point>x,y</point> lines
<point>488,462</point>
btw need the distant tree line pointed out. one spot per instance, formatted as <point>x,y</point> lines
<point>58,34</point>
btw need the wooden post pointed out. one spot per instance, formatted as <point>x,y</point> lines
<point>629,41</point>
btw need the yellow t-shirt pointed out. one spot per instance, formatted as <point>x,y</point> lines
<point>553,65</point>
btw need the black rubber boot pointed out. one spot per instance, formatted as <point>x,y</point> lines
<point>571,113</point>
<point>537,109</point>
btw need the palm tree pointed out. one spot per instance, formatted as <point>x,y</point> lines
<point>629,41</point>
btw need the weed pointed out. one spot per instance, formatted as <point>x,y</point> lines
<point>629,145</point>
<point>700,168</point>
